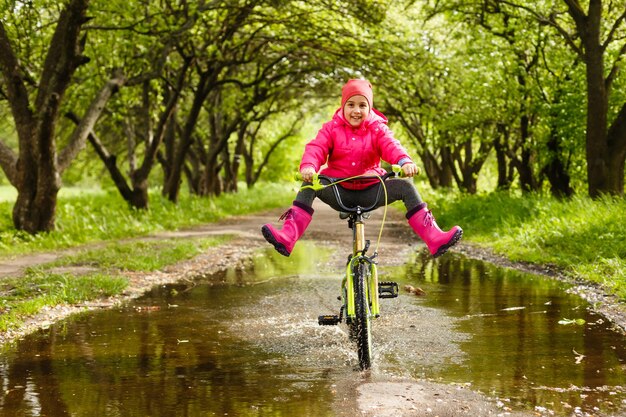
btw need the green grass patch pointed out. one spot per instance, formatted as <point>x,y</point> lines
<point>147,255</point>
<point>25,296</point>
<point>97,217</point>
<point>584,237</point>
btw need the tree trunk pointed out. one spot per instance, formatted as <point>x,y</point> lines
<point>616,139</point>
<point>34,172</point>
<point>437,170</point>
<point>35,208</point>
<point>172,183</point>
<point>605,154</point>
<point>524,164</point>
<point>598,170</point>
<point>504,181</point>
<point>556,170</point>
<point>469,163</point>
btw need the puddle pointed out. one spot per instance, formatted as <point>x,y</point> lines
<point>247,343</point>
<point>530,341</point>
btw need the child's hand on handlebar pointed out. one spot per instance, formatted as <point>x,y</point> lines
<point>410,169</point>
<point>307,174</point>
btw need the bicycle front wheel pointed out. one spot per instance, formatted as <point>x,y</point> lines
<point>363,317</point>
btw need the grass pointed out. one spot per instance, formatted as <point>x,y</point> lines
<point>40,288</point>
<point>27,295</point>
<point>106,217</point>
<point>583,237</point>
<point>140,255</point>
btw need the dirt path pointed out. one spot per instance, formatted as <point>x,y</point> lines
<point>375,398</point>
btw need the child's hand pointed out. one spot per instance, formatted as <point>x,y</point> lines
<point>307,174</point>
<point>410,169</point>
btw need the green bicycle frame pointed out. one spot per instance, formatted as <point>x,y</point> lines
<point>372,285</point>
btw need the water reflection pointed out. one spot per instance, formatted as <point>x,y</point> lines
<point>531,341</point>
<point>170,353</point>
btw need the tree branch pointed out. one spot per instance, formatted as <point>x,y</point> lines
<point>615,68</point>
<point>611,35</point>
<point>109,160</point>
<point>63,56</point>
<point>575,11</point>
<point>16,91</point>
<point>151,149</point>
<point>79,136</point>
<point>286,135</point>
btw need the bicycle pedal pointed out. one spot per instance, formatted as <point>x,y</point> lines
<point>388,289</point>
<point>328,320</point>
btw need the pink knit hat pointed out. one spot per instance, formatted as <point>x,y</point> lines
<point>357,87</point>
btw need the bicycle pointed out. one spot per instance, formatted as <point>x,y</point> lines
<point>360,289</point>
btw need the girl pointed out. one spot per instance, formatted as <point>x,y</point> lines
<point>353,143</point>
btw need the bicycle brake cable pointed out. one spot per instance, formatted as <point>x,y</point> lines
<point>316,185</point>
<point>382,223</point>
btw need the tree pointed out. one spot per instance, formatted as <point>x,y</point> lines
<point>446,102</point>
<point>517,48</point>
<point>35,90</point>
<point>606,144</point>
<point>259,57</point>
<point>596,35</point>
<point>214,49</point>
<point>158,73</point>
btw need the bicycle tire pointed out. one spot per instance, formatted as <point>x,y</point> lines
<point>363,318</point>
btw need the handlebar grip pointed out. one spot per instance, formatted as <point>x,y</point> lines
<point>397,169</point>
<point>298,176</point>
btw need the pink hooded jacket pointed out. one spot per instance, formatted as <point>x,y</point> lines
<point>350,151</point>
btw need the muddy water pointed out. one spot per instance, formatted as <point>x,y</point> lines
<point>247,343</point>
<point>530,342</point>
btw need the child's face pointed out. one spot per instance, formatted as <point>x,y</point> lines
<point>356,110</point>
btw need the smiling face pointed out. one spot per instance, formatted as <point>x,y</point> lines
<point>356,109</point>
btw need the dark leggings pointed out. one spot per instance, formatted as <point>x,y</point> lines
<point>397,189</point>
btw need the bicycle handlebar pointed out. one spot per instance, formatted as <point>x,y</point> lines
<point>396,171</point>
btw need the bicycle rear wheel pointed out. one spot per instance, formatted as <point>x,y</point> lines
<point>363,317</point>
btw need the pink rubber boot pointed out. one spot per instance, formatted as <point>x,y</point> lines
<point>297,219</point>
<point>438,241</point>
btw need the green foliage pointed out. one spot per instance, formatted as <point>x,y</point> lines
<point>456,69</point>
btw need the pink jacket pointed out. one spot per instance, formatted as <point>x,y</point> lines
<point>352,151</point>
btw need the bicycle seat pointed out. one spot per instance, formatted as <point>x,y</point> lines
<point>346,211</point>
